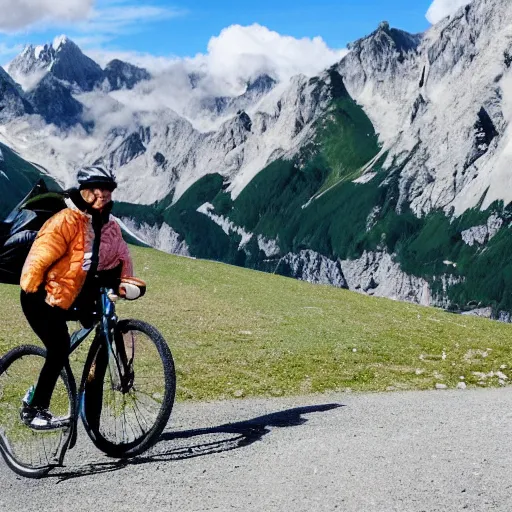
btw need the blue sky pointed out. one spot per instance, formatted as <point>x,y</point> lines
<point>336,21</point>
<point>163,28</point>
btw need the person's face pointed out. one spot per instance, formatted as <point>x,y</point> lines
<point>98,198</point>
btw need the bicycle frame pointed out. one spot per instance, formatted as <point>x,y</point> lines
<point>104,326</point>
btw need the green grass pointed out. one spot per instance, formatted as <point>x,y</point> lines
<point>238,332</point>
<point>345,135</point>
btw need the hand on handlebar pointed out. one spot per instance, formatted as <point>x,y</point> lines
<point>131,288</point>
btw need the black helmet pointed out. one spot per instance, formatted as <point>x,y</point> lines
<point>96,177</point>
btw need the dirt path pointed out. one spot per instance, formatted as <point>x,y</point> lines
<point>418,451</point>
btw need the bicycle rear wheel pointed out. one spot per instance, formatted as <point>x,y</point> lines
<point>28,452</point>
<point>124,420</point>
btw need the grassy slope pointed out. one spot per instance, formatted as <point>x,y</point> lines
<point>237,332</point>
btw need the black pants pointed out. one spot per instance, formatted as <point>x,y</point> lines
<point>49,323</point>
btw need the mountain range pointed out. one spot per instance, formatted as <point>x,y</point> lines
<point>387,173</point>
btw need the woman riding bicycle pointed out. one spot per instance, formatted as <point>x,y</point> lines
<point>77,251</point>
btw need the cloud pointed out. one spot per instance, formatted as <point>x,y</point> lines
<point>8,50</point>
<point>439,9</point>
<point>153,63</point>
<point>20,14</point>
<point>98,21</point>
<point>233,58</point>
<point>121,17</point>
<point>237,55</point>
<point>241,52</point>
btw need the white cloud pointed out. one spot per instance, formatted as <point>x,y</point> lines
<point>153,63</point>
<point>8,50</point>
<point>234,57</point>
<point>28,82</point>
<point>241,52</point>
<point>20,14</point>
<point>439,9</point>
<point>238,54</point>
<point>121,17</point>
<point>99,21</point>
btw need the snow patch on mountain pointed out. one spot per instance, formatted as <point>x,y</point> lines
<point>227,226</point>
<point>128,230</point>
<point>268,246</point>
<point>482,234</point>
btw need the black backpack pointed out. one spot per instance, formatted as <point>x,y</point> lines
<point>19,230</point>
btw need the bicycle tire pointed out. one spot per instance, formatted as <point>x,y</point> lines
<point>105,439</point>
<point>27,452</point>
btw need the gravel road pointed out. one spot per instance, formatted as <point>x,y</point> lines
<point>415,451</point>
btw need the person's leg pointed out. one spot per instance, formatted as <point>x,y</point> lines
<point>86,304</point>
<point>49,323</point>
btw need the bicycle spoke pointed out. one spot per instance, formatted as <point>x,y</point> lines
<point>136,408</point>
<point>138,389</point>
<point>28,451</point>
<point>125,422</point>
<point>134,419</point>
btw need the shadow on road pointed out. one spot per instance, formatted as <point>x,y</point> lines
<point>187,444</point>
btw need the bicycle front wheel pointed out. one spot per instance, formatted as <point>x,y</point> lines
<point>125,414</point>
<point>28,452</point>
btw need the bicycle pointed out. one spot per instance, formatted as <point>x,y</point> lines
<point>125,397</point>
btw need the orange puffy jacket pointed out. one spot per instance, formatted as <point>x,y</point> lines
<point>60,256</point>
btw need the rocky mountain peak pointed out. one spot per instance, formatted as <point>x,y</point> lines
<point>261,85</point>
<point>72,66</point>
<point>63,41</point>
<point>63,59</point>
<point>385,40</point>
<point>54,102</point>
<point>12,101</point>
<point>31,60</point>
<point>122,75</point>
<point>41,57</point>
<point>64,48</point>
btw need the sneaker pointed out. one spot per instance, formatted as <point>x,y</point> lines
<point>27,412</point>
<point>41,419</point>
